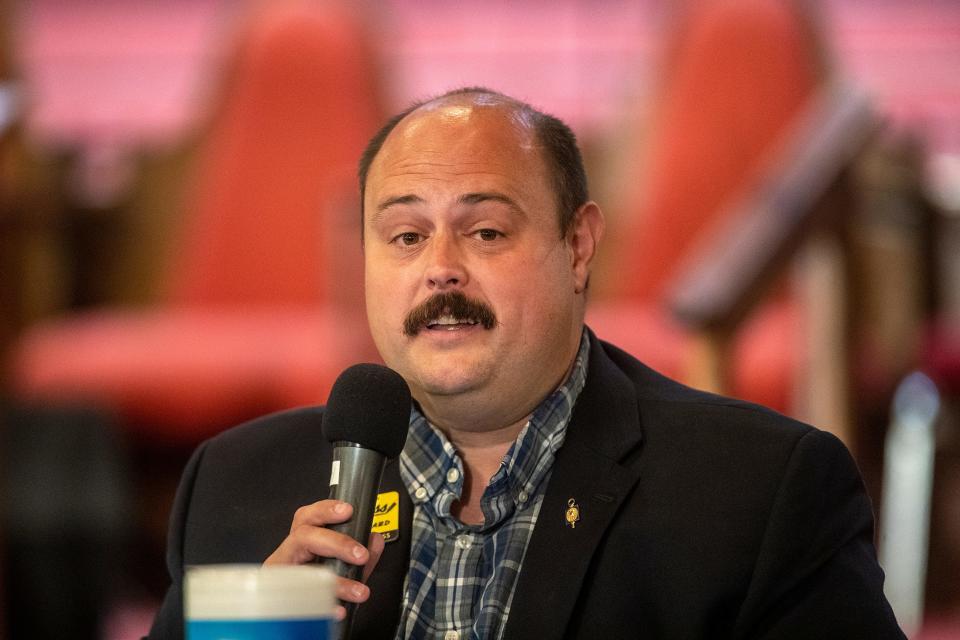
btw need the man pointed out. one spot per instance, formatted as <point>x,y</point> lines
<point>551,486</point>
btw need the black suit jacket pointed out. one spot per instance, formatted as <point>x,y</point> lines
<point>700,517</point>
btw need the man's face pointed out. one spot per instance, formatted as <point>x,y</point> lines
<point>458,201</point>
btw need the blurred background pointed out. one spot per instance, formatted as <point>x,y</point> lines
<point>179,241</point>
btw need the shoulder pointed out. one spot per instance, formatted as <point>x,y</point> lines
<point>712,435</point>
<point>682,406</point>
<point>280,456</point>
<point>743,506</point>
<point>293,432</point>
<point>242,486</point>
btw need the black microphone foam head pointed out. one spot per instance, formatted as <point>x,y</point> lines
<point>369,405</point>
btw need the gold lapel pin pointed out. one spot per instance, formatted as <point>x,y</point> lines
<point>573,513</point>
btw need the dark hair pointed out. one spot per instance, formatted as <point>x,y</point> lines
<point>559,144</point>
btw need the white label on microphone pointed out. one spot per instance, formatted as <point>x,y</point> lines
<point>335,473</point>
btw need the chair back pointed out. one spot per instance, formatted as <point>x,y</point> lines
<point>737,73</point>
<point>299,104</point>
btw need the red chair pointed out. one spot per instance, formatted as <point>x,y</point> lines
<point>740,79</point>
<point>262,307</point>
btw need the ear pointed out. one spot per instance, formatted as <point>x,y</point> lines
<point>582,239</point>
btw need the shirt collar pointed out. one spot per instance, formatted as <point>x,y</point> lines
<point>433,472</point>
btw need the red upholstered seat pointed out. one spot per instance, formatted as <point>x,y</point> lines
<point>263,306</point>
<point>737,75</point>
<point>188,372</point>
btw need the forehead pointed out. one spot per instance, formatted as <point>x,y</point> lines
<point>459,138</point>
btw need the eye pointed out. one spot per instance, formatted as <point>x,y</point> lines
<point>408,238</point>
<point>488,235</point>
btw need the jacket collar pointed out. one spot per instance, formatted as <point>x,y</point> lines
<point>590,475</point>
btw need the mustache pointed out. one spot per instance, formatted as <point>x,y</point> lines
<point>451,303</point>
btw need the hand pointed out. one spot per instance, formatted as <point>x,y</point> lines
<point>309,539</point>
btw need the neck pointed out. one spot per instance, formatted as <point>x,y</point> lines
<point>481,448</point>
<point>481,453</point>
<point>482,433</point>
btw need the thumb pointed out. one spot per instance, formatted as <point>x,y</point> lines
<point>375,546</point>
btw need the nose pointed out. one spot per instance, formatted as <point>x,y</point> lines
<point>445,268</point>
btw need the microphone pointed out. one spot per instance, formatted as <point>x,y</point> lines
<point>366,421</point>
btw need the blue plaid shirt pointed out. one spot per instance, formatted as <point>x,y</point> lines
<point>462,577</point>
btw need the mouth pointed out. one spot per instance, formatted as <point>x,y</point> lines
<point>450,323</point>
<point>447,312</point>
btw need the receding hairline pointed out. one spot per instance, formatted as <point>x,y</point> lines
<point>520,113</point>
<point>473,96</point>
<point>549,136</point>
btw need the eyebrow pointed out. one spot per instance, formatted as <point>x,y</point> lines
<point>390,202</point>
<point>487,196</point>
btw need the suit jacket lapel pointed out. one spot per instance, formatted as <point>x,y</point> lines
<point>380,615</point>
<point>603,429</point>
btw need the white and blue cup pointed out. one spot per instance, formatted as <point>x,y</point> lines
<point>247,602</point>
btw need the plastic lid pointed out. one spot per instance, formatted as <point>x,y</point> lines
<point>253,591</point>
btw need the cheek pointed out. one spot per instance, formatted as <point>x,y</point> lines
<point>378,271</point>
<point>550,273</point>
<point>377,288</point>
<point>533,289</point>
<point>390,294</point>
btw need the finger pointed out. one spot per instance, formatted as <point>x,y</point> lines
<point>375,547</point>
<point>305,543</point>
<point>322,513</point>
<point>352,591</point>
<point>324,543</point>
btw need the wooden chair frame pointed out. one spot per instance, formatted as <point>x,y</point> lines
<point>803,202</point>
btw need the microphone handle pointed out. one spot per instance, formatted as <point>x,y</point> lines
<point>354,477</point>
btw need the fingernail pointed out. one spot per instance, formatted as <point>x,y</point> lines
<point>358,552</point>
<point>341,508</point>
<point>357,591</point>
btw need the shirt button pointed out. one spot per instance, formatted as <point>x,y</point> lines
<point>420,493</point>
<point>453,634</point>
<point>463,542</point>
<point>453,475</point>
<point>522,497</point>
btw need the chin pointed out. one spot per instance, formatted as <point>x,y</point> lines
<point>447,386</point>
<point>448,381</point>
